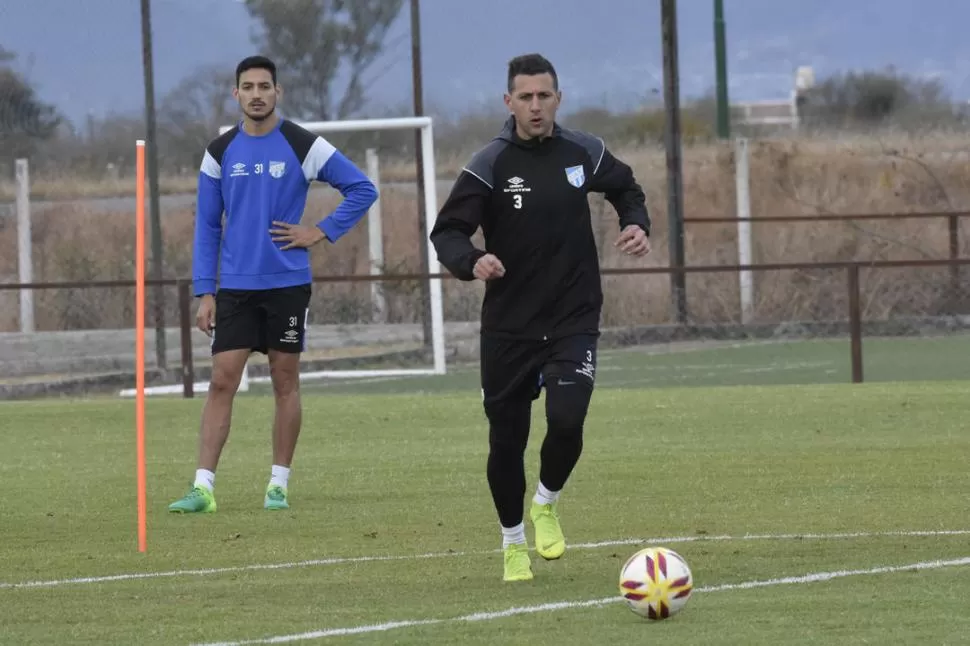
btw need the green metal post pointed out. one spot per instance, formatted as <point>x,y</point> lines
<point>720,59</point>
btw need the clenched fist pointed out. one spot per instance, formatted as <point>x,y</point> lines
<point>488,267</point>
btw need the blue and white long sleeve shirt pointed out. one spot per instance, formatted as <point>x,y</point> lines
<point>255,180</point>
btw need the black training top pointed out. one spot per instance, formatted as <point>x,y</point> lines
<point>529,197</point>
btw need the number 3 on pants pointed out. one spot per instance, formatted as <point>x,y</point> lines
<point>517,201</point>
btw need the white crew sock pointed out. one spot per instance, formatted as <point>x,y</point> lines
<point>205,478</point>
<point>279,476</point>
<point>512,535</point>
<point>544,496</point>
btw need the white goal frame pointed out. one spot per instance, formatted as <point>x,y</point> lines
<point>424,124</point>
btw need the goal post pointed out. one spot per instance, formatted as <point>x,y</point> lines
<point>429,188</point>
<point>430,176</point>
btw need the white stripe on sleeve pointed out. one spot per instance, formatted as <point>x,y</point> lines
<point>210,166</point>
<point>319,155</point>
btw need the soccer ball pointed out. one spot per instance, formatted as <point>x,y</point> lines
<point>656,582</point>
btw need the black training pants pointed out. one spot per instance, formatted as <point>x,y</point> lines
<point>513,374</point>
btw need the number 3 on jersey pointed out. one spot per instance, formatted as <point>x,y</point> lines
<point>517,201</point>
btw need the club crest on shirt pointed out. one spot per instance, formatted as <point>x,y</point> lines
<point>576,176</point>
<point>276,169</point>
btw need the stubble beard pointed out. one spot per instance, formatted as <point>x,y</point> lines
<point>259,117</point>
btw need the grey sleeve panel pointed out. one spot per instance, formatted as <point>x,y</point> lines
<point>482,163</point>
<point>594,146</point>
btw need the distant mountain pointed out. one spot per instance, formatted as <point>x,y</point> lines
<point>86,56</point>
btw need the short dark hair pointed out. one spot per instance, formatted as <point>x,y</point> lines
<point>256,63</point>
<point>531,65</point>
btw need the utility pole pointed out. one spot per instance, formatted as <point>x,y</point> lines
<point>151,150</point>
<point>720,64</point>
<point>418,91</point>
<point>675,181</point>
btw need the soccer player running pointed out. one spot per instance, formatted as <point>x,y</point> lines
<point>527,189</point>
<point>259,173</point>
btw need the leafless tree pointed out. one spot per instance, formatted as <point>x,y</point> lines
<point>189,115</point>
<point>317,42</point>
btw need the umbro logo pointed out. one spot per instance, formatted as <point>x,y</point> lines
<point>517,185</point>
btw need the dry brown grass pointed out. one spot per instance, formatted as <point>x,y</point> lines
<point>58,189</point>
<point>67,188</point>
<point>795,176</point>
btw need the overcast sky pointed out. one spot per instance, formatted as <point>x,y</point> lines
<point>85,55</point>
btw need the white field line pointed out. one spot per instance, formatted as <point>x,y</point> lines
<point>564,605</point>
<point>711,371</point>
<point>605,356</point>
<point>135,576</point>
<point>366,380</point>
<point>701,345</point>
<point>663,372</point>
<point>671,372</point>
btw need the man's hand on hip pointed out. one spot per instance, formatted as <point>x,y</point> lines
<point>296,235</point>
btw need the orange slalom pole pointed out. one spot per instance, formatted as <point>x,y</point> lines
<point>140,335</point>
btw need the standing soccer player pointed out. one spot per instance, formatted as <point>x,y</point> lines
<point>259,173</point>
<point>527,190</point>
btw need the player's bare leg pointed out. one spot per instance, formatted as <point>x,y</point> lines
<point>227,368</point>
<point>285,375</point>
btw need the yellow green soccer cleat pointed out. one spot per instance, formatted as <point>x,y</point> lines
<point>275,498</point>
<point>197,500</point>
<point>518,565</point>
<point>550,543</point>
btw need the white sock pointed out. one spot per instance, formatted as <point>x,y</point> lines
<point>512,535</point>
<point>279,476</point>
<point>205,478</point>
<point>544,496</point>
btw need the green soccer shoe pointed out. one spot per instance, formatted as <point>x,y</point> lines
<point>518,565</point>
<point>550,542</point>
<point>275,498</point>
<point>197,500</point>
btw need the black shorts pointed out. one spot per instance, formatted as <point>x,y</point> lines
<point>261,320</point>
<point>517,370</point>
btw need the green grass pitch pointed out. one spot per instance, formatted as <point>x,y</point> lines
<point>751,473</point>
